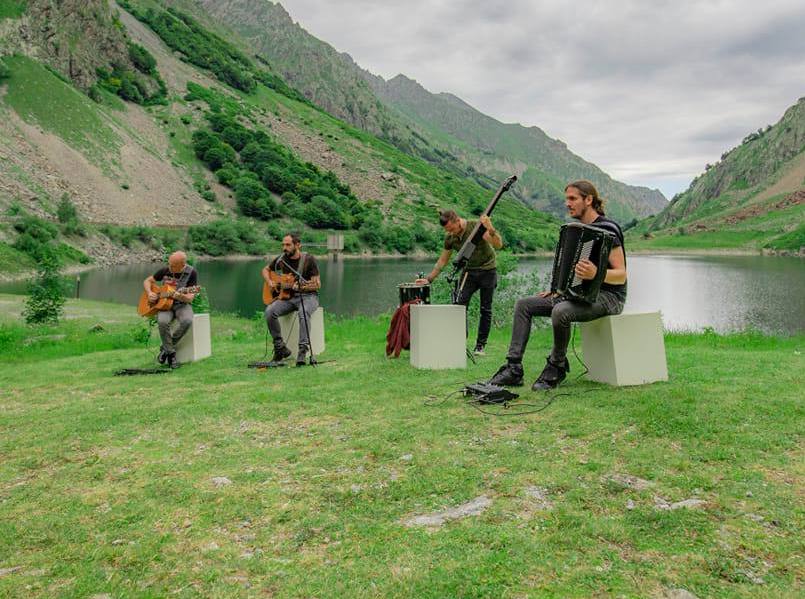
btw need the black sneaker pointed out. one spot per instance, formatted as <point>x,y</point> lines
<point>552,375</point>
<point>302,355</point>
<point>280,353</point>
<point>162,358</point>
<point>172,361</point>
<point>479,351</point>
<point>508,375</point>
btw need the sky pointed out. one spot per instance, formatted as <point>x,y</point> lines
<point>649,90</point>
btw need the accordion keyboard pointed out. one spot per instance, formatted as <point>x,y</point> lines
<point>584,254</point>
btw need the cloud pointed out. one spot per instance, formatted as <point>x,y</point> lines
<point>649,91</point>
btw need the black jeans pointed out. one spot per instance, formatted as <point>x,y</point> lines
<point>486,281</point>
<point>562,312</point>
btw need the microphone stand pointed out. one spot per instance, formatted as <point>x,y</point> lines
<point>302,281</point>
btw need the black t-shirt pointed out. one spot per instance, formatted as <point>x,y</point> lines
<point>169,278</point>
<point>311,268</point>
<point>602,222</point>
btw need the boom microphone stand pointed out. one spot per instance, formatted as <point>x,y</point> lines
<point>302,281</point>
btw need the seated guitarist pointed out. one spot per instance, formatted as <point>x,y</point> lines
<point>177,274</point>
<point>300,296</point>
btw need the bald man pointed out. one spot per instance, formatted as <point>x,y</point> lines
<point>177,274</point>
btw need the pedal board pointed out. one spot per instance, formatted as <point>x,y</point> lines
<point>488,394</point>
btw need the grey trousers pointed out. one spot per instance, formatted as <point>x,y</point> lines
<point>181,312</point>
<point>282,307</point>
<point>562,313</point>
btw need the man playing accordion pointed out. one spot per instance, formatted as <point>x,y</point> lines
<point>583,204</point>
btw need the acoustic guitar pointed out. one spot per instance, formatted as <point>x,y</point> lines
<point>164,300</point>
<point>283,286</point>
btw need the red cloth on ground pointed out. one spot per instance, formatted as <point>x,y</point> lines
<point>399,336</point>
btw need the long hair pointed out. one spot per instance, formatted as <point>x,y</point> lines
<point>588,189</point>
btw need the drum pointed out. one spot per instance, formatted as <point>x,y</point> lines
<point>412,291</point>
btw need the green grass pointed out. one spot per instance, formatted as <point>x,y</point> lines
<point>12,9</point>
<point>13,262</point>
<point>42,98</point>
<point>106,482</point>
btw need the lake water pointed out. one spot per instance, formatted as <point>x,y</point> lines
<point>727,293</point>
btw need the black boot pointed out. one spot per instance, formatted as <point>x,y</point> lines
<point>162,358</point>
<point>302,355</point>
<point>551,376</point>
<point>281,352</point>
<point>508,375</point>
<point>172,361</point>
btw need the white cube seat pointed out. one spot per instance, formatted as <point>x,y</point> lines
<point>289,325</point>
<point>196,343</point>
<point>438,336</point>
<point>627,349</point>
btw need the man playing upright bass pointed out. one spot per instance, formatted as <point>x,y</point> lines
<point>298,295</point>
<point>481,270</point>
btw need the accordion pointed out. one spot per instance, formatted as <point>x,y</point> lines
<point>580,242</point>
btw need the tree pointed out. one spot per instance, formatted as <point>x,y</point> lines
<point>323,213</point>
<point>45,301</point>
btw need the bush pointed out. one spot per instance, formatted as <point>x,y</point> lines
<point>324,213</point>
<point>35,235</point>
<point>46,299</point>
<point>253,199</point>
<point>398,238</point>
<point>142,59</point>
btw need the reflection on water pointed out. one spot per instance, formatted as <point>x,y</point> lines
<point>726,293</point>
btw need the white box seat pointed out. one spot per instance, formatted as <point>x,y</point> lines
<point>627,349</point>
<point>438,336</point>
<point>289,325</point>
<point>196,343</point>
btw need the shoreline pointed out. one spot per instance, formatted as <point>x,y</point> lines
<point>77,269</point>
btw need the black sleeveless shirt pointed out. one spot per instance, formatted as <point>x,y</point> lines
<point>602,222</point>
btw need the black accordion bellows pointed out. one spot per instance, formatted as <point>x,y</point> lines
<point>580,242</point>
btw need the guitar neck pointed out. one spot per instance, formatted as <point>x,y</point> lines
<point>478,232</point>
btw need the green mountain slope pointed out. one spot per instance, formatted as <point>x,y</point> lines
<point>754,197</point>
<point>274,161</point>
<point>439,127</point>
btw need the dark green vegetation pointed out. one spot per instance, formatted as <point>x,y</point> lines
<point>753,198</point>
<point>209,51</point>
<point>143,85</point>
<point>115,488</point>
<point>440,128</point>
<point>46,292</point>
<point>12,9</point>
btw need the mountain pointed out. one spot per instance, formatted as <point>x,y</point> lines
<point>439,127</point>
<point>544,164</point>
<point>154,130</point>
<point>753,197</point>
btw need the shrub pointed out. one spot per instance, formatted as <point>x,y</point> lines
<point>45,301</point>
<point>142,59</point>
<point>324,213</point>
<point>253,199</point>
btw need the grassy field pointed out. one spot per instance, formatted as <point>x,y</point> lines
<point>221,481</point>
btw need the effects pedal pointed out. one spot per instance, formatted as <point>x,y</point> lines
<point>489,394</point>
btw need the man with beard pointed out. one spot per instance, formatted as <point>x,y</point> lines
<point>583,204</point>
<point>177,274</point>
<point>302,296</point>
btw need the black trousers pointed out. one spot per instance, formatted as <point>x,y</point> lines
<point>487,282</point>
<point>562,313</point>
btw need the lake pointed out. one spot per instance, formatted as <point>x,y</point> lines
<point>727,293</point>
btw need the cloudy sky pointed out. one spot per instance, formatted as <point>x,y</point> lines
<point>649,90</point>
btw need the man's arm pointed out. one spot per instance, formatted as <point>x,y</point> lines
<point>313,284</point>
<point>147,286</point>
<point>491,234</point>
<point>616,273</point>
<point>266,276</point>
<point>440,264</point>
